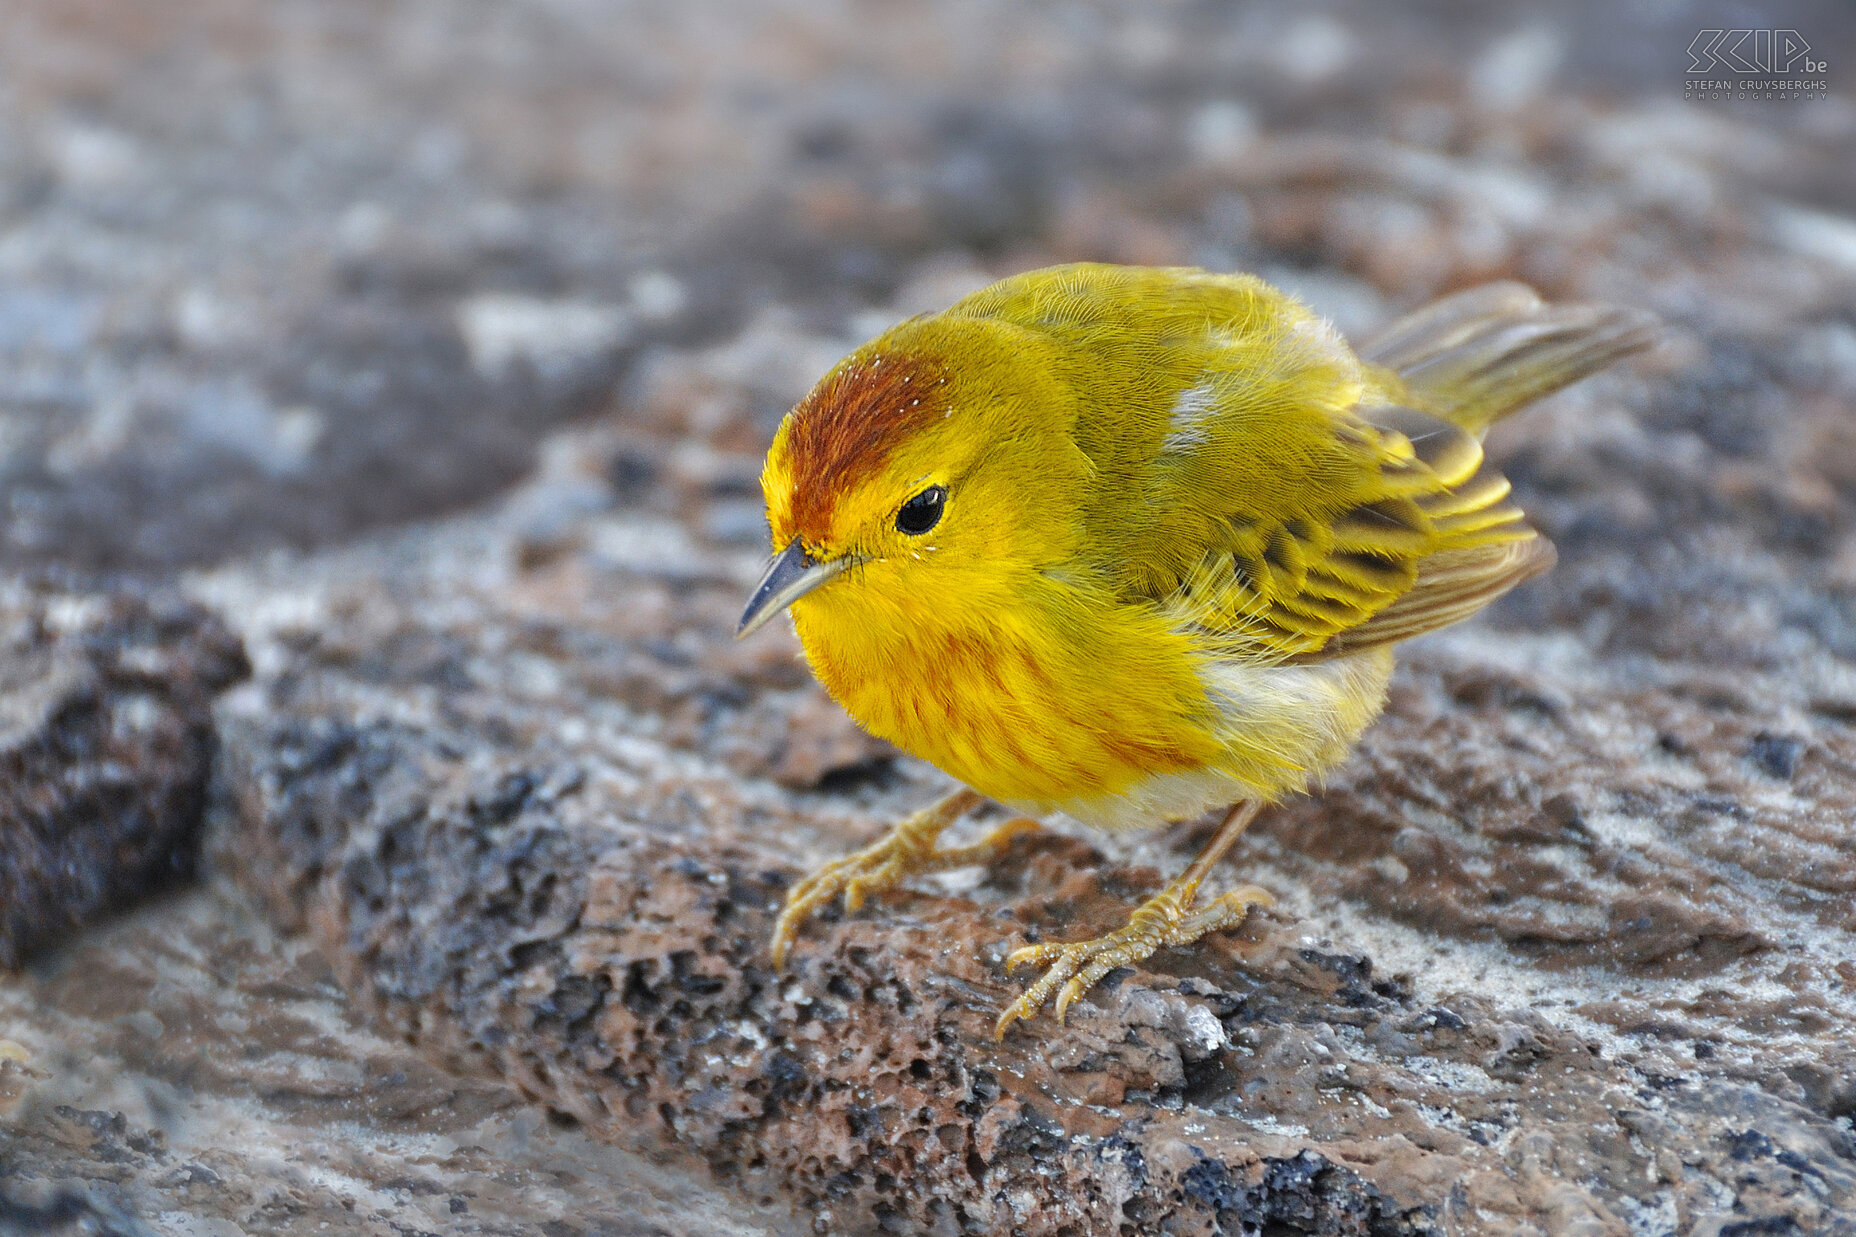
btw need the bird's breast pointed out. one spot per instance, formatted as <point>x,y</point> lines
<point>1029,706</point>
<point>1106,714</point>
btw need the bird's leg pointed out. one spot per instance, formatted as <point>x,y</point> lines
<point>907,849</point>
<point>1164,920</point>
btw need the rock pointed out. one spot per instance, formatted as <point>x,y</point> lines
<point>1505,936</point>
<point>185,1069</point>
<point>106,745</point>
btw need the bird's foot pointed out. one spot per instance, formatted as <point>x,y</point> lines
<point>907,849</point>
<point>1164,920</point>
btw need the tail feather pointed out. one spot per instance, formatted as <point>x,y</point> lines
<point>1475,357</point>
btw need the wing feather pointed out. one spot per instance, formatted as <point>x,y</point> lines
<point>1451,586</point>
<point>1429,539</point>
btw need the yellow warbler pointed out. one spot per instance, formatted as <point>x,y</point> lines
<point>1133,543</point>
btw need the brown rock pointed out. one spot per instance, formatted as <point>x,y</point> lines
<point>1511,983</point>
<point>186,1069</point>
<point>106,745</point>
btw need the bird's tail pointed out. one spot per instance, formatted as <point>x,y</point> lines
<point>1481,354</point>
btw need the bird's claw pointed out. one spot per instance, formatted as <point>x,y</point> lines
<point>906,850</point>
<point>1160,922</point>
<point>887,875</point>
<point>856,876</point>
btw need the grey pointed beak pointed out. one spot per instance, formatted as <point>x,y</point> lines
<point>789,577</point>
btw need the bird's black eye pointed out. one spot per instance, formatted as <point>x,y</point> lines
<point>922,512</point>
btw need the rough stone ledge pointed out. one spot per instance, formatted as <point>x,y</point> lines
<point>1525,978</point>
<point>106,742</point>
<point>184,1069</point>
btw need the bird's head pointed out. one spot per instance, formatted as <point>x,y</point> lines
<point>926,470</point>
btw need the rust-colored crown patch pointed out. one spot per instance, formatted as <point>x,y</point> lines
<point>848,425</point>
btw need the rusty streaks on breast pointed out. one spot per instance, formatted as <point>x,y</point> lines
<point>851,422</point>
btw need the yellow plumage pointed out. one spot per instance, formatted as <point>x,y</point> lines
<point>1133,543</point>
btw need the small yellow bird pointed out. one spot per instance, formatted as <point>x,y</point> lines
<point>1133,543</point>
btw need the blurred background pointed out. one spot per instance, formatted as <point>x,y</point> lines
<point>272,274</point>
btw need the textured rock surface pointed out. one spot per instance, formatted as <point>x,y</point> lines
<point>1566,947</point>
<point>187,1071</point>
<point>106,745</point>
<point>1566,944</point>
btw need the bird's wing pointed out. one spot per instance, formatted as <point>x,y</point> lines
<point>1426,536</point>
<point>1264,487</point>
